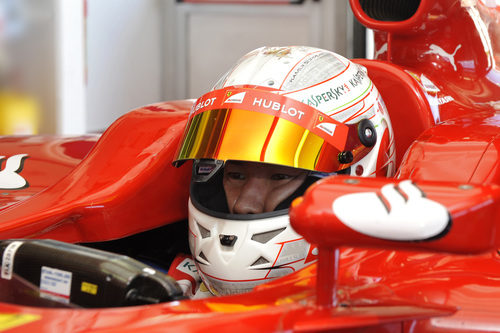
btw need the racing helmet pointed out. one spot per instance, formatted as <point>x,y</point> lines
<point>300,107</point>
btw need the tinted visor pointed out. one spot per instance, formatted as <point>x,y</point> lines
<point>261,126</point>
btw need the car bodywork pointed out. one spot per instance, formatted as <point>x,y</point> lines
<point>436,70</point>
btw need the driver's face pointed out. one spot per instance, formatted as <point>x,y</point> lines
<point>253,188</point>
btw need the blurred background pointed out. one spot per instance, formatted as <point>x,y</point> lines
<point>74,66</point>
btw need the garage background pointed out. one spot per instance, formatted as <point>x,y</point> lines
<point>87,62</point>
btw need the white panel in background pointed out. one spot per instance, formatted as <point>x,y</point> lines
<point>370,44</point>
<point>70,67</point>
<point>216,41</point>
<point>124,58</point>
<point>211,37</point>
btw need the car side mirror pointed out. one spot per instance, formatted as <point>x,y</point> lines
<point>394,214</point>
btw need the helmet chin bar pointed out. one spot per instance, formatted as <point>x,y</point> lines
<point>234,256</point>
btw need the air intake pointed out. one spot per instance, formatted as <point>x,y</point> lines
<point>390,10</point>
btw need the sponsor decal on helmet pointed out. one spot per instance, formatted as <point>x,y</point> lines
<point>236,99</point>
<point>209,101</point>
<point>340,94</point>
<point>329,95</point>
<point>358,78</point>
<point>205,169</point>
<point>302,66</point>
<point>305,75</point>
<point>278,106</point>
<point>327,128</point>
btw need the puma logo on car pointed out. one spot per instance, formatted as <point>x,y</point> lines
<point>401,212</point>
<point>435,49</point>
<point>10,179</point>
<point>380,51</point>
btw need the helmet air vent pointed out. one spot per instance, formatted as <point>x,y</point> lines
<point>204,232</point>
<point>265,237</point>
<point>204,257</point>
<point>260,261</point>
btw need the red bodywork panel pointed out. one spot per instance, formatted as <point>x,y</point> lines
<point>127,177</point>
<point>50,159</point>
<point>437,74</point>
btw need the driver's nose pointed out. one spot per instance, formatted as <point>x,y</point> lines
<point>251,199</point>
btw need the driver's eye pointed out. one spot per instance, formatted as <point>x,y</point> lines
<point>280,176</point>
<point>235,175</point>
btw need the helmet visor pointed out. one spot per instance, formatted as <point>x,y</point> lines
<point>262,126</point>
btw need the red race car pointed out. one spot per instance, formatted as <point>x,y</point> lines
<point>414,253</point>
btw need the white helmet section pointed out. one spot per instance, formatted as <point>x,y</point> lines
<point>233,256</point>
<point>328,82</point>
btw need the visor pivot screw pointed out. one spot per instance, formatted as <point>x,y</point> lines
<point>366,133</point>
<point>345,157</point>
